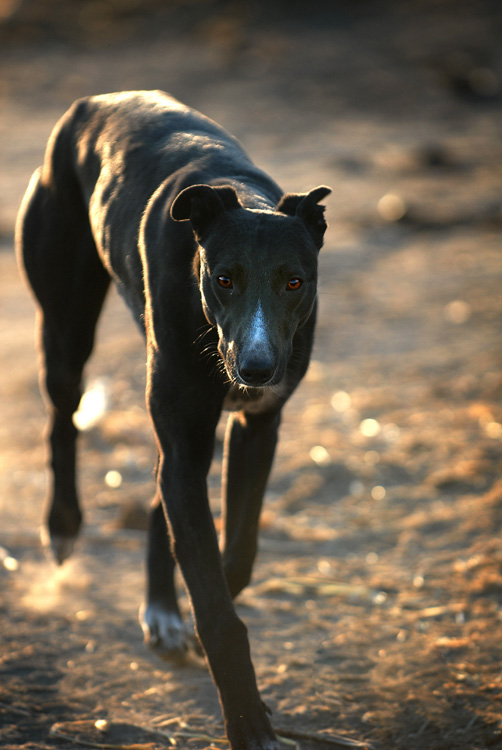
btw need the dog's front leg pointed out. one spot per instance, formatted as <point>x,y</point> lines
<point>249,451</point>
<point>160,617</point>
<point>185,420</point>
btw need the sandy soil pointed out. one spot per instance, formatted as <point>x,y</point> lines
<point>375,612</point>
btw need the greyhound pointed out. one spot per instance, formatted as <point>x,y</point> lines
<point>219,269</point>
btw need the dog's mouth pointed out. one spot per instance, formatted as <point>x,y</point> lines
<point>254,399</point>
<point>251,380</point>
<point>253,355</point>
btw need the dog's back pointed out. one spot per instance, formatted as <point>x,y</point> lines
<point>110,155</point>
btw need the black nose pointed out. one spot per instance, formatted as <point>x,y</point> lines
<point>256,372</point>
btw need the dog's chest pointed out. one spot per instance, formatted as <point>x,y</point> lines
<point>252,400</point>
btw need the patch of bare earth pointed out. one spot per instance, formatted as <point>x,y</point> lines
<point>375,612</point>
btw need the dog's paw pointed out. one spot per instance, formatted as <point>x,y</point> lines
<point>163,632</point>
<point>265,742</point>
<point>252,731</point>
<point>58,546</point>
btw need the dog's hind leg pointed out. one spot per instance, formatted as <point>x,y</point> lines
<point>56,247</point>
<point>249,452</point>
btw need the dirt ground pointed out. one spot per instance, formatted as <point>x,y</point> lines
<point>375,612</point>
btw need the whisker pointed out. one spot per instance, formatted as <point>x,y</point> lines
<point>207,328</point>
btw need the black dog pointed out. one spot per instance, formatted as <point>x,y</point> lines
<point>219,269</point>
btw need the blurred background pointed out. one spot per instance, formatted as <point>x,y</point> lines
<point>376,608</point>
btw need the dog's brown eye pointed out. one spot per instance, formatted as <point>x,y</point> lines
<point>225,282</point>
<point>293,285</point>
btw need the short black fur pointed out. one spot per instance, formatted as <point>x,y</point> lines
<point>139,189</point>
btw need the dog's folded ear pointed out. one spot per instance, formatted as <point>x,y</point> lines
<point>202,204</point>
<point>305,206</point>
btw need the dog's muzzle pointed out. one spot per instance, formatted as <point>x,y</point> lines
<point>250,368</point>
<point>256,371</point>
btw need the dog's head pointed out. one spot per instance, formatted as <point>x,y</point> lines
<point>257,273</point>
